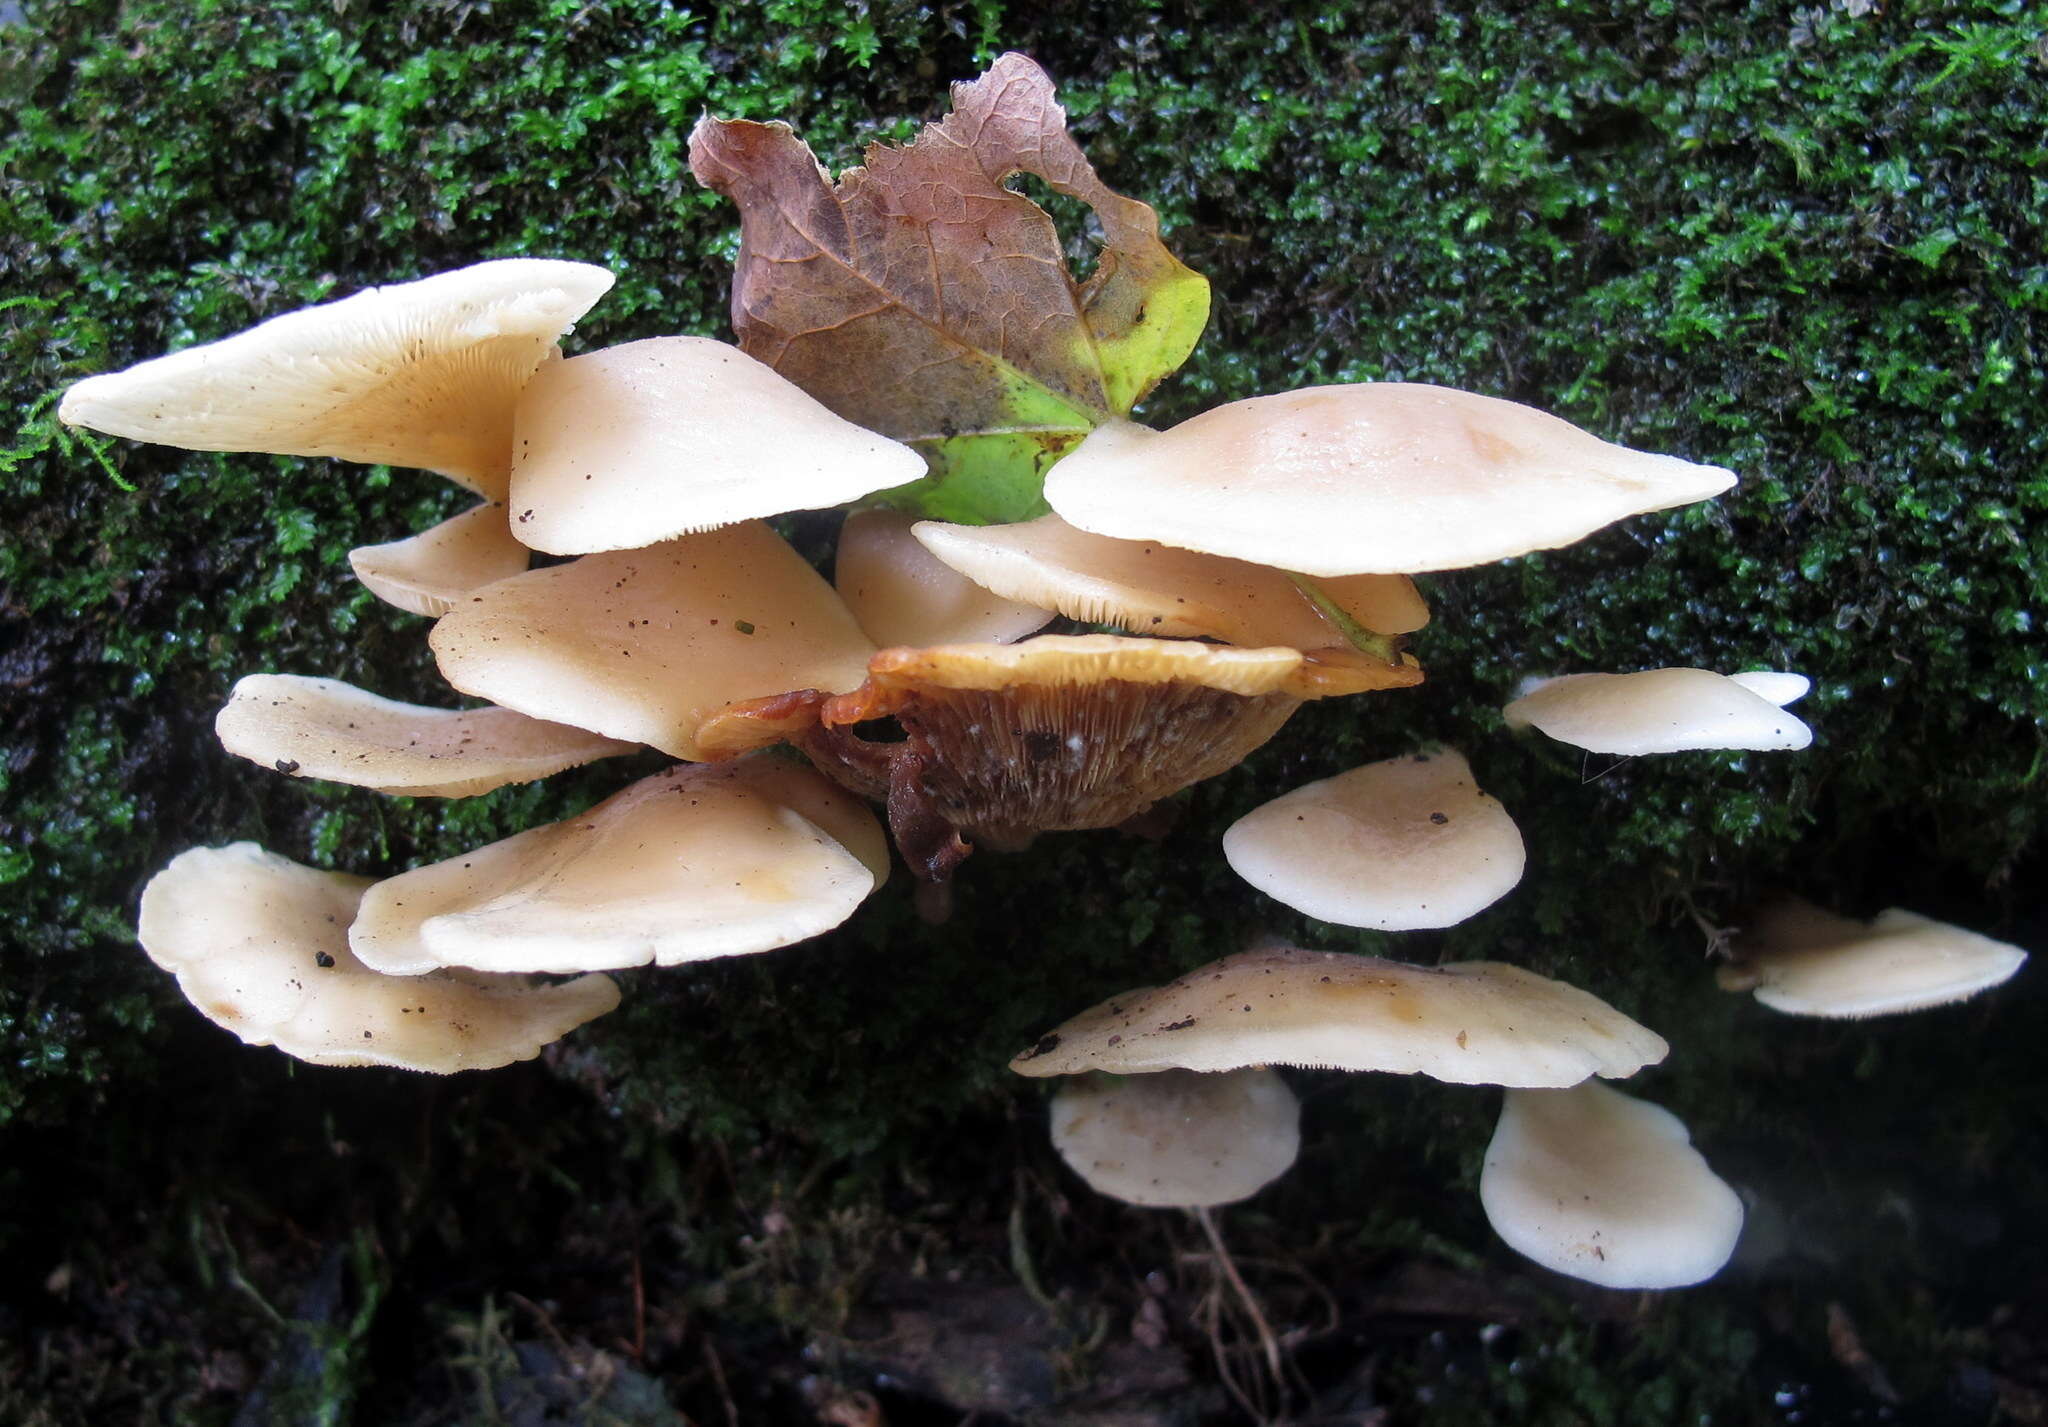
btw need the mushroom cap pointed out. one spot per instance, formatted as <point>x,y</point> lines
<point>1371,478</point>
<point>1656,711</point>
<point>1592,1183</point>
<point>259,945</point>
<point>648,645</point>
<point>1178,1139</point>
<point>427,573</point>
<point>902,594</point>
<point>1470,1022</point>
<point>1151,588</point>
<point>414,374</point>
<point>1807,962</point>
<point>693,863</point>
<point>1780,687</point>
<point>635,444</point>
<point>324,728</point>
<point>1399,845</point>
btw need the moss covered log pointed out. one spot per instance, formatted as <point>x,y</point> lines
<point>1803,243</point>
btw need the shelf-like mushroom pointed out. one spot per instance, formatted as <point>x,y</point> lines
<point>636,444</point>
<point>324,728</point>
<point>1659,711</point>
<point>1178,1138</point>
<point>903,595</point>
<point>260,946</point>
<point>1373,478</point>
<point>1805,961</point>
<point>429,572</point>
<point>417,374</point>
<point>693,863</point>
<point>1469,1022</point>
<point>1603,1187</point>
<point>1399,845</point>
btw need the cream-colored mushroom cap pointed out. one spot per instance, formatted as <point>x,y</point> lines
<point>903,595</point>
<point>324,728</point>
<point>427,573</point>
<point>415,374</point>
<point>1779,686</point>
<point>1373,478</point>
<point>1606,1188</point>
<point>1807,962</point>
<point>1151,588</point>
<point>647,645</point>
<point>1178,1138</point>
<point>1471,1022</point>
<point>697,862</point>
<point>259,945</point>
<point>654,439</point>
<point>1399,845</point>
<point>1656,711</point>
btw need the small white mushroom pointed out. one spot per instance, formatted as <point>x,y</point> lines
<point>1656,711</point>
<point>1399,845</point>
<point>1471,1022</point>
<point>1780,687</point>
<point>640,443</point>
<point>427,573</point>
<point>1150,588</point>
<point>324,728</point>
<point>647,645</point>
<point>1374,478</point>
<point>414,374</point>
<point>259,945</point>
<point>1808,962</point>
<point>696,862</point>
<point>1594,1184</point>
<point>903,595</point>
<point>1178,1138</point>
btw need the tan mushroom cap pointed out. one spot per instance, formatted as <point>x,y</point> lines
<point>414,374</point>
<point>1399,845</point>
<point>1151,588</point>
<point>693,863</point>
<point>427,573</point>
<point>647,645</point>
<point>1656,711</point>
<point>259,945</point>
<point>1594,1184</point>
<point>640,443</point>
<point>1371,478</point>
<point>1471,1022</point>
<point>1179,1138</point>
<point>324,728</point>
<point>1808,962</point>
<point>902,594</point>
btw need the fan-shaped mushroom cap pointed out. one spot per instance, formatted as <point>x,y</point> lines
<point>1471,1022</point>
<point>693,863</point>
<point>1157,589</point>
<point>1606,1188</point>
<point>1656,711</point>
<point>1407,843</point>
<point>427,573</point>
<point>260,945</point>
<point>902,594</point>
<point>415,374</point>
<point>1373,478</point>
<point>1807,962</point>
<point>1178,1139</point>
<point>634,444</point>
<point>324,728</point>
<point>648,644</point>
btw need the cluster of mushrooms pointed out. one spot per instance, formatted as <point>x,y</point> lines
<point>1243,562</point>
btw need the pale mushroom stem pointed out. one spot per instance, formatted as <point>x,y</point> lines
<point>1365,641</point>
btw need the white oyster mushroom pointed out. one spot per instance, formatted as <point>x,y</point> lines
<point>1594,1184</point>
<point>1178,1138</point>
<point>1808,962</point>
<point>1656,711</point>
<point>259,945</point>
<point>904,596</point>
<point>428,572</point>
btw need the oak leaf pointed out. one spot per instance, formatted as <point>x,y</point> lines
<point>923,298</point>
